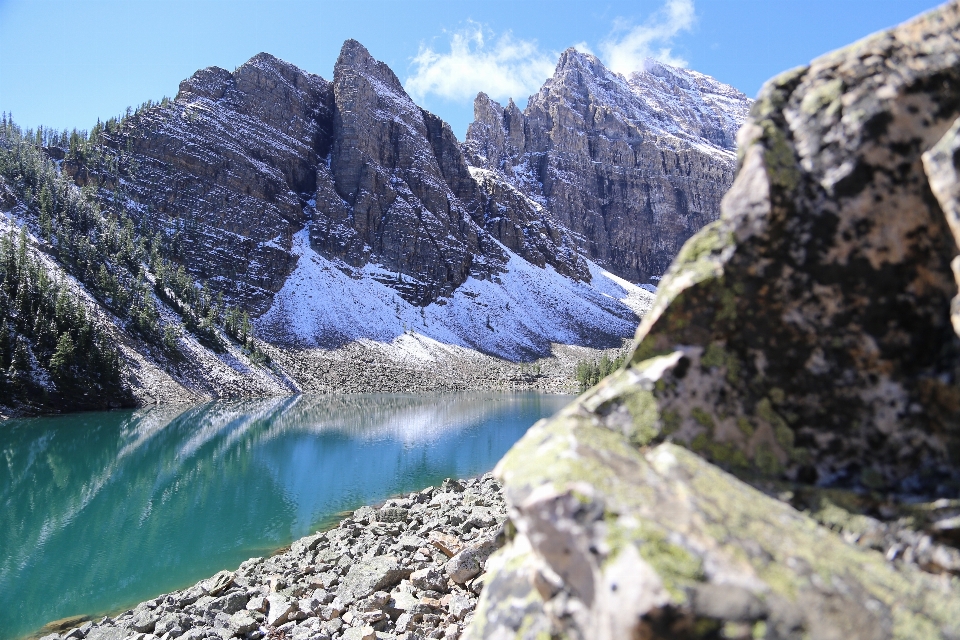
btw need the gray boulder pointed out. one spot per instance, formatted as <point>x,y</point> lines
<point>376,574</point>
<point>243,622</point>
<point>279,610</point>
<point>469,562</point>
<point>144,621</point>
<point>176,624</point>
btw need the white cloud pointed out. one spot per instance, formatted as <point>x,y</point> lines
<point>626,48</point>
<point>502,68</point>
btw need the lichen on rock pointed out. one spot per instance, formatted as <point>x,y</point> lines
<point>815,314</point>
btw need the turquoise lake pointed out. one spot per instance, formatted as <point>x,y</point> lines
<point>99,511</point>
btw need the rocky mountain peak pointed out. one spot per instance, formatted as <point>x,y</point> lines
<point>211,83</point>
<point>685,103</point>
<point>573,60</point>
<point>632,167</point>
<point>355,58</point>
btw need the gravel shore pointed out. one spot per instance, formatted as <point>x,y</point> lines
<point>410,569</point>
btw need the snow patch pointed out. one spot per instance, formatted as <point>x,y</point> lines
<point>515,314</point>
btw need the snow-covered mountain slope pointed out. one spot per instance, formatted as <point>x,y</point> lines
<point>688,105</point>
<point>515,314</point>
<point>149,374</point>
<point>632,167</point>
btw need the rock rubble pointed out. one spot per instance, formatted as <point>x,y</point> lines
<point>410,569</point>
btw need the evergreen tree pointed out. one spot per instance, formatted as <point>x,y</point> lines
<point>61,362</point>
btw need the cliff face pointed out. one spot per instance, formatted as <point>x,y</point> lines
<point>240,161</point>
<point>225,171</point>
<point>390,201</point>
<point>277,188</point>
<point>804,342</point>
<point>631,166</point>
<point>399,193</point>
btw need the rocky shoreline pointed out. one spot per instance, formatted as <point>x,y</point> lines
<point>411,569</point>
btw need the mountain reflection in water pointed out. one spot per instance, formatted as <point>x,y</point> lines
<point>103,510</point>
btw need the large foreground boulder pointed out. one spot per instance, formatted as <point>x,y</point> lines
<point>808,332</point>
<point>803,340</point>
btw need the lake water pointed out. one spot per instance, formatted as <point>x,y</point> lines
<point>99,511</point>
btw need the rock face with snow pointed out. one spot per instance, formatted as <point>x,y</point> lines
<point>225,170</point>
<point>398,193</point>
<point>631,166</point>
<point>241,161</point>
<point>341,210</point>
<point>338,211</point>
<point>804,342</point>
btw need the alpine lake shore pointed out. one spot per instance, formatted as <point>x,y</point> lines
<point>412,567</point>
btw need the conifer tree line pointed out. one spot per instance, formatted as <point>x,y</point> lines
<point>125,264</point>
<point>591,372</point>
<point>45,332</point>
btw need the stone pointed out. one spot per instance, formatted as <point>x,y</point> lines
<point>230,603</point>
<point>303,545</point>
<point>392,514</point>
<point>404,622</point>
<point>360,633</point>
<point>144,621</point>
<point>480,518</point>
<point>258,603</point>
<point>627,548</point>
<point>452,485</point>
<point>401,601</point>
<point>447,543</point>
<point>367,576</point>
<point>429,579</point>
<point>332,626</point>
<point>469,562</point>
<point>279,610</point>
<point>306,631</point>
<point>328,612</point>
<point>327,579</point>
<point>242,622</point>
<point>410,542</point>
<point>174,624</point>
<point>460,605</point>
<point>219,583</point>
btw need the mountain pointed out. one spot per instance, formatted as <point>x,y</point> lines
<point>319,213</point>
<point>632,166</point>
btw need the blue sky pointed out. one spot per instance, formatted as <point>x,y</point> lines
<point>64,63</point>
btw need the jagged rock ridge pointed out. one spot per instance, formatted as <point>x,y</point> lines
<point>632,166</point>
<point>239,163</point>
